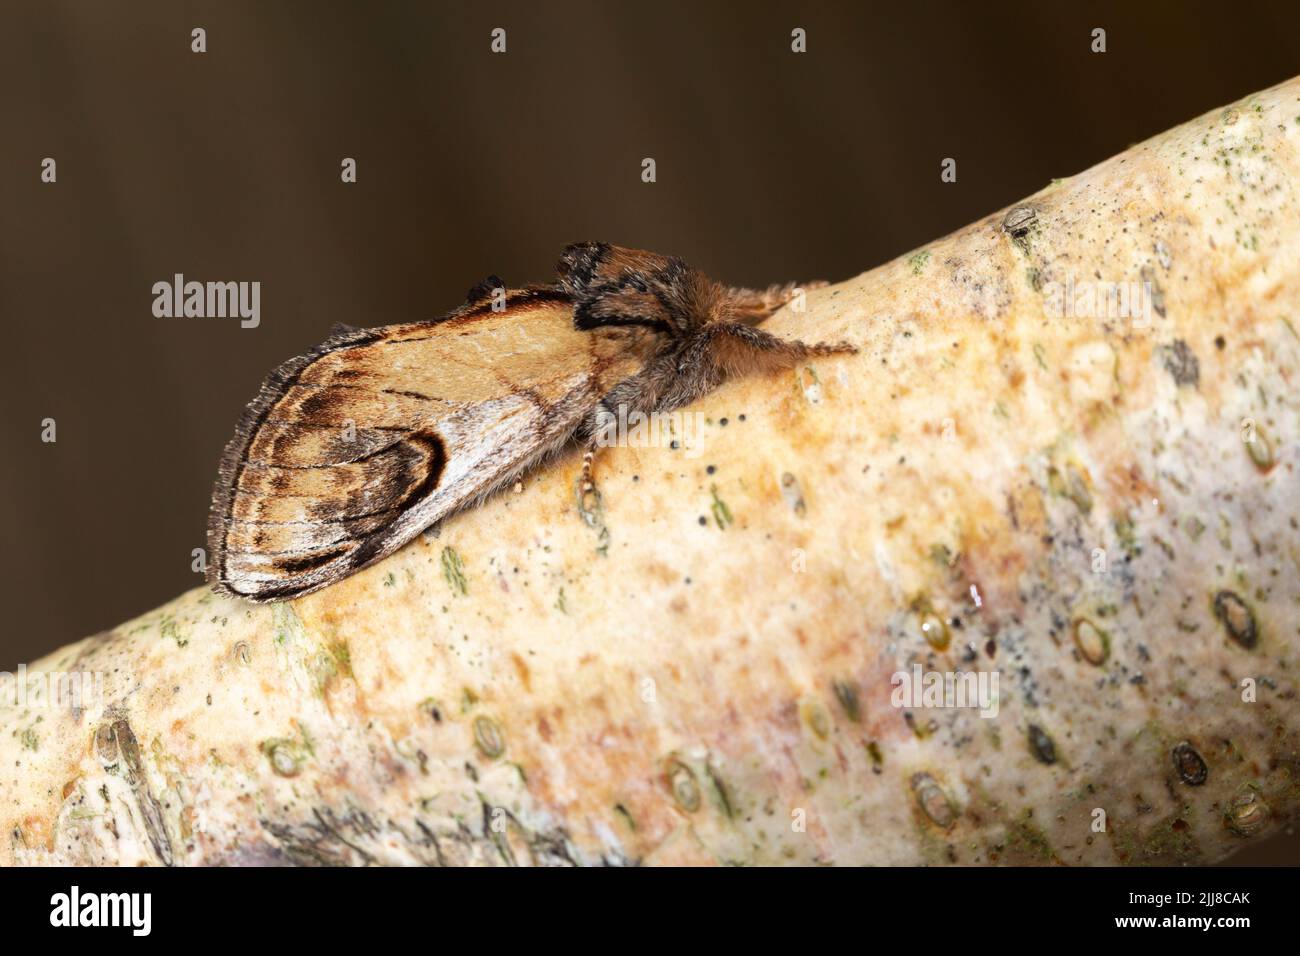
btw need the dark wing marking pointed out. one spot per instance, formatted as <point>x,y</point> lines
<point>611,286</point>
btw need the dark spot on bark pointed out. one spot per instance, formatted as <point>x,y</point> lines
<point>1154,290</point>
<point>1191,768</point>
<point>1018,223</point>
<point>1181,362</point>
<point>138,780</point>
<point>1041,745</point>
<point>847,694</point>
<point>1237,619</point>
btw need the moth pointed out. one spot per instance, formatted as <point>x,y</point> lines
<point>350,451</point>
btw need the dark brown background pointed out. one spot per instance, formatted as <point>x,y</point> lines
<point>225,166</point>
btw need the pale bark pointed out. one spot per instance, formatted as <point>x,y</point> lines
<point>705,675</point>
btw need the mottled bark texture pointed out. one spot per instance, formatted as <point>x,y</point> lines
<point>1100,510</point>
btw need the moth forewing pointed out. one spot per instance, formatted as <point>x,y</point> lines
<point>350,451</point>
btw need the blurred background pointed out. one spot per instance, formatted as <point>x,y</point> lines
<point>225,166</point>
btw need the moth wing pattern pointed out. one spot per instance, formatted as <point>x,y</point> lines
<point>350,451</point>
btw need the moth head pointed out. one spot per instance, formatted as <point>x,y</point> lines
<point>614,286</point>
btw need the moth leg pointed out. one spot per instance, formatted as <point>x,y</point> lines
<point>752,306</point>
<point>593,436</point>
<point>587,485</point>
<point>590,503</point>
<point>590,437</point>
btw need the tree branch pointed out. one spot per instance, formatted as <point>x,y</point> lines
<point>1097,510</point>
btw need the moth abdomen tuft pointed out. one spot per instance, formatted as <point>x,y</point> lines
<point>484,289</point>
<point>579,262</point>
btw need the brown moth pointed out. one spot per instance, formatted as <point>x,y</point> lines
<point>350,451</point>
